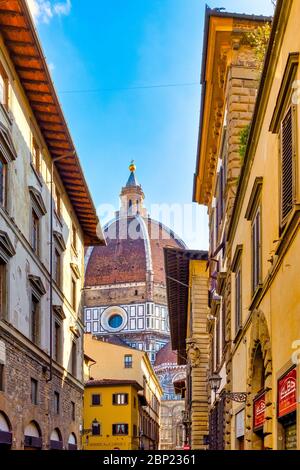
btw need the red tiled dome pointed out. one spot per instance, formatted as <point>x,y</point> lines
<point>126,258</point>
<point>166,356</point>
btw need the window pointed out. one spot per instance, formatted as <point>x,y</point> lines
<point>35,234</point>
<point>57,266</point>
<point>3,181</point>
<point>73,411</point>
<point>57,202</point>
<point>135,430</point>
<point>56,403</point>
<point>96,428</point>
<point>238,298</point>
<point>36,156</point>
<point>73,293</point>
<point>287,164</point>
<point>2,289</point>
<point>3,88</point>
<point>223,324</point>
<point>128,361</point>
<point>34,391</point>
<point>115,321</point>
<point>34,323</point>
<point>57,341</point>
<point>1,377</point>
<point>74,359</point>
<point>74,238</point>
<point>218,339</point>
<point>118,429</point>
<point>134,402</point>
<point>120,399</point>
<point>96,399</point>
<point>256,250</point>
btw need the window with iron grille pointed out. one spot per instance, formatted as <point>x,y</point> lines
<point>287,164</point>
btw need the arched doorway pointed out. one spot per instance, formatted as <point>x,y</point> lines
<point>32,437</point>
<point>259,411</point>
<point>56,442</point>
<point>5,432</point>
<point>258,385</point>
<point>72,442</point>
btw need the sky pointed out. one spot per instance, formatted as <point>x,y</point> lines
<point>102,54</point>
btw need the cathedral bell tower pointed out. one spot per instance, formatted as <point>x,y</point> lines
<point>132,196</point>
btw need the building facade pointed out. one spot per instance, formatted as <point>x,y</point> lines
<point>125,287</point>
<point>112,408</point>
<point>264,244</point>
<point>231,71</point>
<point>187,287</point>
<point>41,249</point>
<point>112,363</point>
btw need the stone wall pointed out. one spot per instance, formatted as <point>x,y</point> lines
<point>21,364</point>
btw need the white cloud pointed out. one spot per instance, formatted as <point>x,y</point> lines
<point>44,10</point>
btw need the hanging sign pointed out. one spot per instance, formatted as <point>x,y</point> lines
<point>287,396</point>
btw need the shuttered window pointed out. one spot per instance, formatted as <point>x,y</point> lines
<point>256,250</point>
<point>287,165</point>
<point>238,298</point>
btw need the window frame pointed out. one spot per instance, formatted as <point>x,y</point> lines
<point>128,361</point>
<point>35,235</point>
<point>34,391</point>
<point>74,361</point>
<point>115,397</point>
<point>120,433</point>
<point>57,266</point>
<point>284,219</point>
<point>35,320</point>
<point>56,403</point>
<point>73,293</point>
<point>238,302</point>
<point>57,341</point>
<point>2,377</point>
<point>36,155</point>
<point>5,79</point>
<point>256,248</point>
<point>3,186</point>
<point>92,399</point>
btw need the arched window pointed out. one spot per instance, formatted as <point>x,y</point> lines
<point>5,432</point>
<point>32,436</point>
<point>56,442</point>
<point>72,442</point>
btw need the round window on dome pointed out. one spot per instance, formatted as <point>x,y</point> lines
<point>115,321</point>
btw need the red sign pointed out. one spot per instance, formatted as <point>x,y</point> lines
<point>287,395</point>
<point>259,411</point>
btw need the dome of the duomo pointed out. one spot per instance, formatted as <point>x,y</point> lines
<point>125,284</point>
<point>134,248</point>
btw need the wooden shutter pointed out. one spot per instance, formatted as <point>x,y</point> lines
<point>287,171</point>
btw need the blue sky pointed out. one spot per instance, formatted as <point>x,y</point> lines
<point>111,45</point>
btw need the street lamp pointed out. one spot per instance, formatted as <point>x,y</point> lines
<point>53,161</point>
<point>215,383</point>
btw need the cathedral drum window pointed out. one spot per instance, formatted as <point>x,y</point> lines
<point>114,319</point>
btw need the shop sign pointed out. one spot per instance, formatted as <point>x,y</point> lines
<point>259,411</point>
<point>287,395</point>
